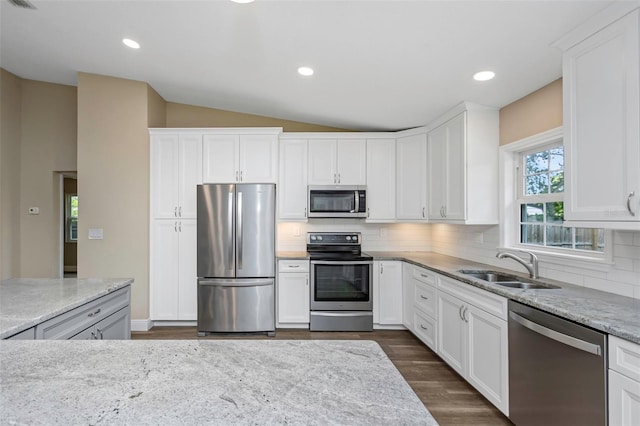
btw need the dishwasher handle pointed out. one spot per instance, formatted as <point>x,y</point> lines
<point>557,336</point>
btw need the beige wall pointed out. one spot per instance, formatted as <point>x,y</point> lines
<point>532,114</point>
<point>48,146</point>
<point>10,128</point>
<point>157,109</point>
<point>113,182</point>
<point>181,115</point>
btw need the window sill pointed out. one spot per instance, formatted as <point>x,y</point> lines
<point>595,263</point>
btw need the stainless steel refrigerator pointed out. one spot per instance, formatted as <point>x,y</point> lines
<point>236,258</point>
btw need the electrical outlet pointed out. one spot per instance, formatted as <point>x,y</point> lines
<point>34,210</point>
<point>95,233</point>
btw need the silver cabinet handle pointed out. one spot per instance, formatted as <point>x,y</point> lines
<point>381,269</point>
<point>423,327</point>
<point>444,211</point>
<point>464,314</point>
<point>557,336</point>
<point>94,336</point>
<point>179,226</point>
<point>180,211</point>
<point>422,296</point>
<point>631,195</point>
<point>175,211</point>
<point>175,226</point>
<point>335,178</point>
<point>305,212</point>
<point>424,275</point>
<point>338,177</point>
<point>460,312</point>
<point>368,212</point>
<point>237,176</point>
<point>93,314</point>
<point>100,333</point>
<point>294,266</point>
<point>307,282</point>
<point>423,212</point>
<point>241,178</point>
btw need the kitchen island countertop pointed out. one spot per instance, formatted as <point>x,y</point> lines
<point>25,302</point>
<point>204,382</point>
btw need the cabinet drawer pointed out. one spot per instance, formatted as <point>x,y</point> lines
<point>482,299</point>
<point>425,329</point>
<point>76,320</point>
<point>624,357</point>
<point>424,275</point>
<point>28,334</point>
<point>293,266</point>
<point>425,299</point>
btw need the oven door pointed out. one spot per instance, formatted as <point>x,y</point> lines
<point>341,285</point>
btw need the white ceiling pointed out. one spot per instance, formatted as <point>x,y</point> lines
<point>379,65</point>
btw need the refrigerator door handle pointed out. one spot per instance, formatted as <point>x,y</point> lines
<point>230,228</point>
<point>220,282</point>
<point>240,232</point>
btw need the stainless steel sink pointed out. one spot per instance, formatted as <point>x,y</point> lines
<point>507,280</point>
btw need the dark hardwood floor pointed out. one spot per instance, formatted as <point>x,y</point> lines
<point>449,398</point>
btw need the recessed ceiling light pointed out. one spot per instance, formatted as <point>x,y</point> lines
<point>131,43</point>
<point>242,1</point>
<point>306,71</point>
<point>484,75</point>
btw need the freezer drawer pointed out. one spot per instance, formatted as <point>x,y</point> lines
<point>236,305</point>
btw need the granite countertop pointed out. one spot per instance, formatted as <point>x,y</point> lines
<point>247,382</point>
<point>25,302</point>
<point>607,312</point>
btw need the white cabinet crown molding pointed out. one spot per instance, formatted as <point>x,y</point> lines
<point>217,130</point>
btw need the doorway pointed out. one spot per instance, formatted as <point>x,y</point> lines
<point>69,225</point>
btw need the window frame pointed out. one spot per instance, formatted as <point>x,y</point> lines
<point>512,192</point>
<point>68,219</point>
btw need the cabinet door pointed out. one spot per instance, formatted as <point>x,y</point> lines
<point>452,333</point>
<point>187,270</point>
<point>164,176</point>
<point>408,288</point>
<point>352,162</point>
<point>115,327</point>
<point>488,369</point>
<point>164,270</point>
<point>190,153</point>
<point>412,177</point>
<point>437,156</point>
<point>322,162</point>
<point>602,124</point>
<point>293,298</point>
<point>259,158</point>
<point>87,334</point>
<point>390,293</point>
<point>292,191</point>
<point>624,400</point>
<point>381,179</point>
<point>455,171</point>
<point>220,158</point>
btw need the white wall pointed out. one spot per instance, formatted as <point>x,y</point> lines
<point>480,244</point>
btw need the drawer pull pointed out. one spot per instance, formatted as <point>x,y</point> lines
<point>424,297</point>
<point>424,275</point>
<point>94,313</point>
<point>423,327</point>
<point>294,266</point>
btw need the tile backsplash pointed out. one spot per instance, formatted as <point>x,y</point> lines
<point>478,243</point>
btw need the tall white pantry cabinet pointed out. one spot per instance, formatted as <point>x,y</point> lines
<point>176,169</point>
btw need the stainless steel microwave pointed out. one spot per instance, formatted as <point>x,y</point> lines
<point>337,201</point>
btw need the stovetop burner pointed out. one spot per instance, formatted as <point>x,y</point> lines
<point>338,246</point>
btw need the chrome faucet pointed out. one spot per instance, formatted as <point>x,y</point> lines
<point>531,266</point>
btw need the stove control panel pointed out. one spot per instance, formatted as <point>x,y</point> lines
<point>334,238</point>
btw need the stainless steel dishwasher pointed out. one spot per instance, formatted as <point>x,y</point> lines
<point>557,370</point>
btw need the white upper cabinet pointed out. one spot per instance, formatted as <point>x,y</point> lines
<point>176,169</point>
<point>237,156</point>
<point>292,190</point>
<point>337,162</point>
<point>462,166</point>
<point>601,97</point>
<point>411,172</point>
<point>381,180</point>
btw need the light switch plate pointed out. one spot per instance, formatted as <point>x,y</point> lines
<point>95,233</point>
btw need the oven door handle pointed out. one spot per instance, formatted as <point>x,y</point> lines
<point>340,262</point>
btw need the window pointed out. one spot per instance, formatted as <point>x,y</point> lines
<point>541,206</point>
<point>71,218</point>
<point>532,181</point>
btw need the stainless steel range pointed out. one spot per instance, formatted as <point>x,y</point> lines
<point>341,282</point>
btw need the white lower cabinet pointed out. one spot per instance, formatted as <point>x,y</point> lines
<point>624,382</point>
<point>472,340</point>
<point>173,278</point>
<point>387,293</point>
<point>419,303</point>
<point>111,328</point>
<point>292,293</point>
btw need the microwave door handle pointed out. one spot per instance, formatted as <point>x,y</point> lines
<point>357,196</point>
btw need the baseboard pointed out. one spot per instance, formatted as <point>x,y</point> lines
<point>293,325</point>
<point>141,325</point>
<point>388,327</point>
<point>173,323</point>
